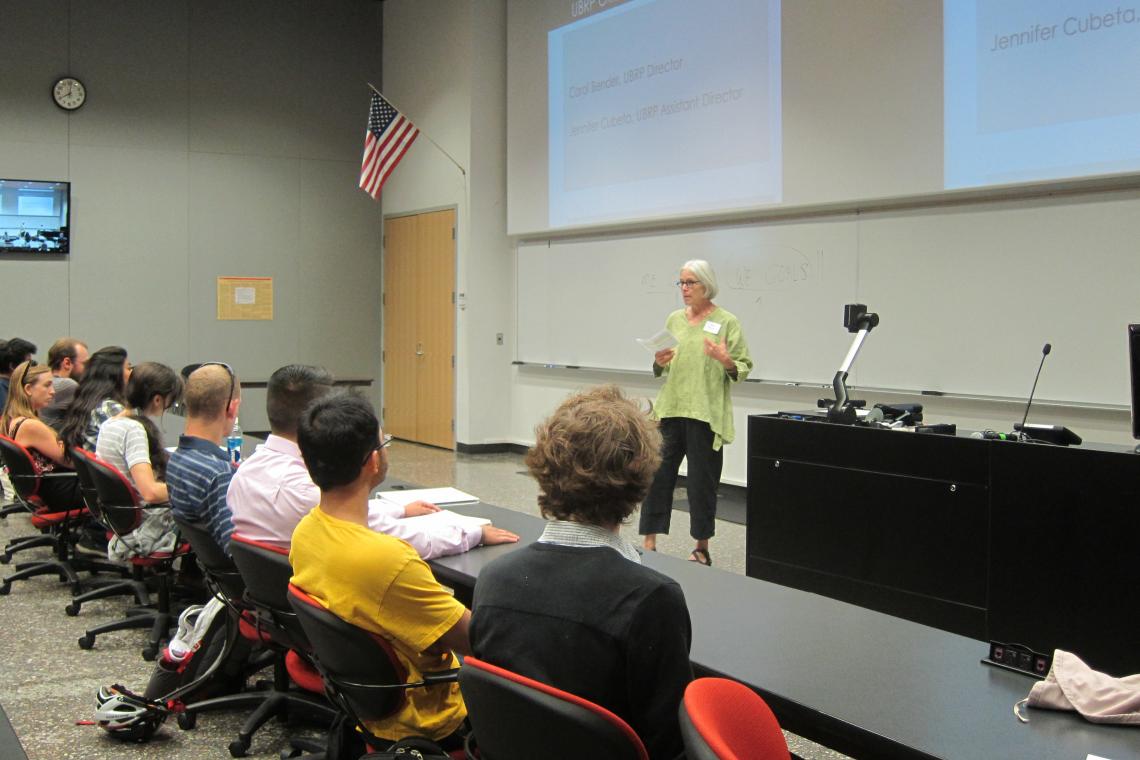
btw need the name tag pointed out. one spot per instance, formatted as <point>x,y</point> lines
<point>712,328</point>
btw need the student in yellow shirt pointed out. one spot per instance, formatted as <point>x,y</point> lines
<point>372,580</point>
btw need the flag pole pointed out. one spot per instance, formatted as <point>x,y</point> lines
<point>422,132</point>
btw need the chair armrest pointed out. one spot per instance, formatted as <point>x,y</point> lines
<point>435,678</point>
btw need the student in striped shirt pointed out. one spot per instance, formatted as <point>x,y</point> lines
<point>198,474</point>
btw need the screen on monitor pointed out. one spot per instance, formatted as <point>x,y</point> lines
<point>1134,364</point>
<point>35,216</point>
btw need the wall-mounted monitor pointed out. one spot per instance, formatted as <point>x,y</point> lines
<point>35,216</point>
<point>1134,367</point>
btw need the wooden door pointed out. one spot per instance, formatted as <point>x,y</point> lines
<point>419,328</point>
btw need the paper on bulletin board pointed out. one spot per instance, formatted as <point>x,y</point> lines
<point>245,298</point>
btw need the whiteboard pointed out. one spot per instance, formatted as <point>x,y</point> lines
<point>583,303</point>
<point>967,296</point>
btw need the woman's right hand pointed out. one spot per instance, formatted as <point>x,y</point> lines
<point>663,357</point>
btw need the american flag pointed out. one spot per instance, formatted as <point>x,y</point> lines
<point>387,139</point>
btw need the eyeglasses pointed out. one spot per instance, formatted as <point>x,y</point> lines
<point>687,283</point>
<point>229,370</point>
<point>383,443</point>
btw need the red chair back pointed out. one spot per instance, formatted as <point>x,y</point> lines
<point>514,716</point>
<point>362,673</point>
<point>266,571</point>
<point>221,573</point>
<point>725,720</point>
<point>80,458</point>
<point>22,472</point>
<point>120,506</point>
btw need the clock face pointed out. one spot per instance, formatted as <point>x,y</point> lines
<point>69,93</point>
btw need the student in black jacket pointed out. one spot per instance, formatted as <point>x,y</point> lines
<point>576,609</point>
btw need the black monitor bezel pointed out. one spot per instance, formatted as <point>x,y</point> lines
<point>1134,371</point>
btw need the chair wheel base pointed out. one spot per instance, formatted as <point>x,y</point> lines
<point>5,558</point>
<point>150,653</point>
<point>5,588</point>
<point>187,721</point>
<point>239,747</point>
<point>71,609</point>
<point>86,642</point>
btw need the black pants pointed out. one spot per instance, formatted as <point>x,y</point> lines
<point>691,439</point>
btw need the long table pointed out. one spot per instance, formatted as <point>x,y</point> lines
<point>863,682</point>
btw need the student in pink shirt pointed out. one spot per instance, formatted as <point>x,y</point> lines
<point>272,490</point>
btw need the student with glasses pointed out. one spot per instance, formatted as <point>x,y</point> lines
<point>695,407</point>
<point>373,581</point>
<point>199,472</point>
<point>132,443</point>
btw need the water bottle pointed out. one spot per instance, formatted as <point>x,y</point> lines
<point>233,443</point>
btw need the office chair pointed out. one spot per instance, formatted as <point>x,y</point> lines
<point>272,623</point>
<point>136,584</point>
<point>725,720</point>
<point>362,674</point>
<point>514,718</point>
<point>123,511</point>
<point>243,650</point>
<point>56,527</point>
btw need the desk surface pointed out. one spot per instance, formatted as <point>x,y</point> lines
<point>853,679</point>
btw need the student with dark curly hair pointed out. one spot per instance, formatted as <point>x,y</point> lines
<point>576,609</point>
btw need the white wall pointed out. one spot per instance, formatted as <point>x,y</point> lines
<point>445,68</point>
<point>218,138</point>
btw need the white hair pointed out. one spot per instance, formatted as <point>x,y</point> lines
<point>703,271</point>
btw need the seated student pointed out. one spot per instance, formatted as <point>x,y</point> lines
<point>100,396</point>
<point>199,470</point>
<point>30,391</point>
<point>13,352</point>
<point>577,610</point>
<point>371,580</point>
<point>67,358</point>
<point>133,444</point>
<point>272,490</point>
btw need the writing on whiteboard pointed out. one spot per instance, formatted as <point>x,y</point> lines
<point>780,268</point>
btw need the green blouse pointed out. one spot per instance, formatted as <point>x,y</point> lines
<point>696,385</point>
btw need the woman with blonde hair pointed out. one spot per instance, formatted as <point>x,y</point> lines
<point>30,391</point>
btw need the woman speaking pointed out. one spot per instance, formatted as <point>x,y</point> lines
<point>694,407</point>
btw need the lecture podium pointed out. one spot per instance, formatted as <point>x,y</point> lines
<point>1010,541</point>
<point>865,683</point>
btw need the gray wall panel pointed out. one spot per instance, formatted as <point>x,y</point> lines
<point>34,160</point>
<point>33,56</point>
<point>129,267</point>
<point>335,76</point>
<point>35,294</point>
<point>243,223</point>
<point>339,272</point>
<point>135,72</point>
<point>244,64</point>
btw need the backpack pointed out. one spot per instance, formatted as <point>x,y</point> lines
<point>195,663</point>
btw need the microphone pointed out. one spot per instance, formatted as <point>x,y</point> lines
<point>1044,352</point>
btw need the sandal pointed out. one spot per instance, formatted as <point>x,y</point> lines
<point>701,557</point>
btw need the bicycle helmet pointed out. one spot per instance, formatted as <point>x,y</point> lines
<point>126,715</point>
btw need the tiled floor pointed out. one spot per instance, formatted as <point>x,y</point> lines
<point>48,683</point>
